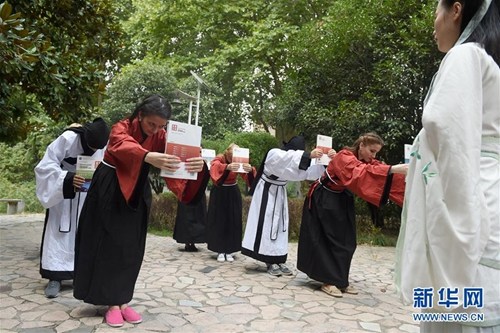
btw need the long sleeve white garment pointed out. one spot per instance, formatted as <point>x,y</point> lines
<point>450,228</point>
<point>62,214</point>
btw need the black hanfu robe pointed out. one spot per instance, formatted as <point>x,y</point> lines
<point>191,222</point>
<point>225,215</point>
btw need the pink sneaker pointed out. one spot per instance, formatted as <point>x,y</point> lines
<point>131,316</point>
<point>114,318</point>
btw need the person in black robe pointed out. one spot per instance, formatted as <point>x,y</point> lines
<point>191,223</point>
<point>225,205</point>
<point>112,229</point>
<point>327,239</point>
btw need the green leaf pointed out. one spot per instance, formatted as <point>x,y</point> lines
<point>5,10</point>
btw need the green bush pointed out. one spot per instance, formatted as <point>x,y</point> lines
<point>257,142</point>
<point>163,212</point>
<point>17,163</point>
<point>24,190</point>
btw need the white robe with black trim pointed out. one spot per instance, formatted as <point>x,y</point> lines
<point>58,240</point>
<point>266,235</point>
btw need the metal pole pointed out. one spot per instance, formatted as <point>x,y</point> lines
<point>197,106</point>
<point>190,111</point>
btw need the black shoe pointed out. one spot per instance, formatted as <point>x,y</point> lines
<point>190,248</point>
<point>52,289</point>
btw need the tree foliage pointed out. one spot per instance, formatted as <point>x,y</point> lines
<point>56,53</point>
<point>332,67</point>
<point>20,48</point>
<point>240,47</point>
<point>368,68</point>
<point>135,82</point>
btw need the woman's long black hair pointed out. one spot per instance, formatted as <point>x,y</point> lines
<point>153,105</point>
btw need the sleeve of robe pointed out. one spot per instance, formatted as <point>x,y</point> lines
<point>128,158</point>
<point>53,184</point>
<point>397,191</point>
<point>189,191</point>
<point>292,165</point>
<point>218,172</point>
<point>366,180</point>
<point>249,177</point>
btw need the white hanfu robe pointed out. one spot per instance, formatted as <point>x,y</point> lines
<point>266,232</point>
<point>450,228</point>
<point>58,240</point>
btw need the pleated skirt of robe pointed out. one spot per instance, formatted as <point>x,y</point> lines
<point>191,222</point>
<point>327,238</point>
<point>224,229</point>
<point>111,240</point>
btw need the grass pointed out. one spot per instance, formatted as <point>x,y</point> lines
<point>160,232</point>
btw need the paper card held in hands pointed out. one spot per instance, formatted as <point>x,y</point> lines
<point>183,141</point>
<point>241,155</point>
<point>208,155</point>
<point>85,167</point>
<point>324,143</point>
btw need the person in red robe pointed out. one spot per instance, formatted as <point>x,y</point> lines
<point>327,238</point>
<point>225,214</point>
<point>112,229</point>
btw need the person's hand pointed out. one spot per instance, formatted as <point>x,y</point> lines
<point>247,167</point>
<point>400,168</point>
<point>316,153</point>
<point>163,161</point>
<point>194,164</point>
<point>332,152</point>
<point>233,167</point>
<point>78,181</point>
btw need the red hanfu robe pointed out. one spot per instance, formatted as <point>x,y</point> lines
<point>328,231</point>
<point>224,228</point>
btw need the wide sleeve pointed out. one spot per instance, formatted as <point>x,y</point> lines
<point>249,177</point>
<point>291,165</point>
<point>366,180</point>
<point>53,184</point>
<point>127,156</point>
<point>189,191</point>
<point>218,172</point>
<point>397,191</point>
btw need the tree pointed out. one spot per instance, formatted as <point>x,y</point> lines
<point>20,48</point>
<point>135,82</point>
<point>368,67</point>
<point>240,47</point>
<point>71,44</point>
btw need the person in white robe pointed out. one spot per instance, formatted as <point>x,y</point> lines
<point>449,242</point>
<point>57,190</point>
<point>266,231</point>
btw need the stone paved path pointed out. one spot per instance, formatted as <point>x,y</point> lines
<point>187,292</point>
